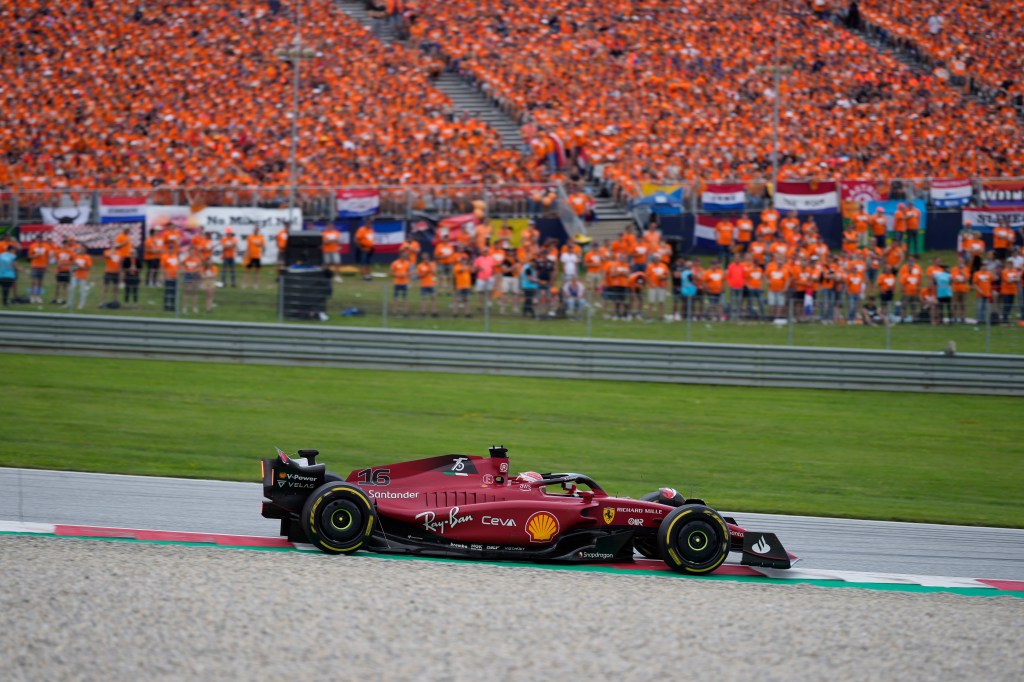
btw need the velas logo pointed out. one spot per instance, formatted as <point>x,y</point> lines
<point>609,515</point>
<point>542,526</point>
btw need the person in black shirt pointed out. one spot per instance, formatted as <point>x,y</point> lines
<point>131,269</point>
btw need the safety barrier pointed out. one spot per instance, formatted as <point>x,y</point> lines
<point>498,354</point>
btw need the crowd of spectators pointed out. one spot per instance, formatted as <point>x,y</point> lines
<point>685,90</point>
<point>103,94</point>
<point>964,38</point>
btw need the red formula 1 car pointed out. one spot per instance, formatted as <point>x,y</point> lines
<point>470,507</point>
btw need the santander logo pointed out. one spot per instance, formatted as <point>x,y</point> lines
<point>762,547</point>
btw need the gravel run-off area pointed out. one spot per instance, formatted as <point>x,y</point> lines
<point>86,610</point>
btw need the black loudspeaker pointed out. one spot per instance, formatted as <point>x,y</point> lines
<point>304,248</point>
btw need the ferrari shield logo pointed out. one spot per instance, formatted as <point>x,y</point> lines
<point>609,514</point>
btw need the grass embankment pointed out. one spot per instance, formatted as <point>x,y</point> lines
<point>915,457</point>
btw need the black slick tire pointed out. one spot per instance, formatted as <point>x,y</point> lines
<point>338,518</point>
<point>693,539</point>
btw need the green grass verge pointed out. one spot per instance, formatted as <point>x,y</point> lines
<point>905,456</point>
<point>260,305</point>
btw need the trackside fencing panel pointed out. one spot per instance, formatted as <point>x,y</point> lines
<point>520,355</point>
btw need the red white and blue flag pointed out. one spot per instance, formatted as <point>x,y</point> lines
<point>1002,193</point>
<point>951,193</point>
<point>724,197</point>
<point>807,197</point>
<point>388,236</point>
<point>705,234</point>
<point>122,209</point>
<point>358,203</point>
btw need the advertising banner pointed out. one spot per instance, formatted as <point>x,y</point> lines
<point>66,215</point>
<point>984,219</point>
<point>213,221</point>
<point>951,193</point>
<point>724,197</point>
<point>357,203</point>
<point>1002,193</point>
<point>807,197</point>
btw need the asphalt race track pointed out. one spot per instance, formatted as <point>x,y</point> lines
<point>233,508</point>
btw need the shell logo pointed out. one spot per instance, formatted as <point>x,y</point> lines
<point>542,526</point>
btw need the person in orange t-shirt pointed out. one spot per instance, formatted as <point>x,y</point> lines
<point>62,257</point>
<point>39,260</point>
<point>724,230</point>
<point>123,243</point>
<point>911,279</point>
<point>714,281</point>
<point>961,287</point>
<point>152,250</point>
<point>657,287</point>
<point>81,265</point>
<point>754,283</point>
<point>1009,282</point>
<point>462,274</point>
<point>254,245</point>
<point>170,264</point>
<point>111,274</point>
<point>879,227</point>
<point>330,248</point>
<point>886,289</point>
<point>744,230</point>
<point>282,244</point>
<point>777,275</point>
<point>426,273</point>
<point>444,253</point>
<point>365,245</point>
<point>228,256</point>
<point>983,282</point>
<point>192,266</point>
<point>400,269</point>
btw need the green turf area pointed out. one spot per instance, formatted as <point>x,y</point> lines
<point>260,305</point>
<point>907,456</point>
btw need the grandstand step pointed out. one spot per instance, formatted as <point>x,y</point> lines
<point>381,28</point>
<point>469,100</point>
<point>601,230</point>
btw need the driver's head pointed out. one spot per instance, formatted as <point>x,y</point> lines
<point>529,477</point>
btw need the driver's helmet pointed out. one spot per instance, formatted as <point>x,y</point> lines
<point>529,477</point>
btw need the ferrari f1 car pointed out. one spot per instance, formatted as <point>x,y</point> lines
<point>470,507</point>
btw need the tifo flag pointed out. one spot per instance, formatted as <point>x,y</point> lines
<point>66,215</point>
<point>358,203</point>
<point>731,197</point>
<point>951,193</point>
<point>122,209</point>
<point>388,236</point>
<point>1002,193</point>
<point>859,191</point>
<point>704,232</point>
<point>807,197</point>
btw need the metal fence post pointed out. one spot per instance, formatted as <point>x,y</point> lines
<point>280,295</point>
<point>789,322</point>
<point>888,328</point>
<point>177,297</point>
<point>384,306</point>
<point>487,312</point>
<point>590,312</point>
<point>689,318</point>
<point>988,325</point>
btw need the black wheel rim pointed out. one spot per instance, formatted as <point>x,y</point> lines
<point>697,542</point>
<point>340,521</point>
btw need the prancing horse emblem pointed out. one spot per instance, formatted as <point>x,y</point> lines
<point>609,514</point>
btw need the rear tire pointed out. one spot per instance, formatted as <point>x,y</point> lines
<point>338,518</point>
<point>693,539</point>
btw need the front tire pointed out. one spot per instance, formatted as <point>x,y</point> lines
<point>693,539</point>
<point>338,518</point>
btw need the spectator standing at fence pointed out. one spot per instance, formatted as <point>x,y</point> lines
<point>484,271</point>
<point>400,269</point>
<point>983,281</point>
<point>854,283</point>
<point>861,224</point>
<point>724,237</point>
<point>111,275</point>
<point>131,274</point>
<point>170,265</point>
<point>254,245</point>
<point>879,227</point>
<point>736,278</point>
<point>753,277</point>
<point>886,290</point>
<point>714,283</point>
<point>913,214</point>
<point>209,274</point>
<point>1009,281</point>
<point>191,266</point>
<point>910,288</point>
<point>574,295</point>
<point>444,253</point>
<point>974,249</point>
<point>8,273</point>
<point>39,260</point>
<point>123,243</point>
<point>899,223</point>
<point>1002,239</point>
<point>364,249</point>
<point>426,273</point>
<point>658,279</point>
<point>462,273</point>
<point>529,284</point>
<point>331,249</point>
<point>228,255</point>
<point>961,276</point>
<point>62,257</point>
<point>942,282</point>
<point>777,275</point>
<point>152,250</point>
<point>81,266</point>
